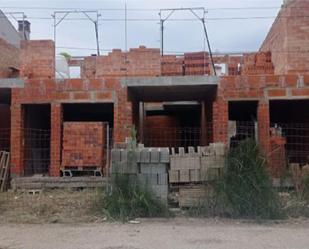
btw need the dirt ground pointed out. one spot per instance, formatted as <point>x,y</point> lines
<point>180,233</point>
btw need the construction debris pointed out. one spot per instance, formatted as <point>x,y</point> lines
<point>4,170</point>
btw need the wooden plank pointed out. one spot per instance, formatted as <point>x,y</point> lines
<point>4,177</point>
<point>192,196</point>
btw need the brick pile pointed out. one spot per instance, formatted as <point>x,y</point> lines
<point>233,69</point>
<point>258,63</point>
<point>171,65</point>
<point>197,63</point>
<point>83,144</point>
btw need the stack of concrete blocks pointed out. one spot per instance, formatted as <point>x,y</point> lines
<point>124,161</point>
<point>153,164</point>
<point>185,167</point>
<point>148,164</point>
<point>205,164</point>
<point>212,161</point>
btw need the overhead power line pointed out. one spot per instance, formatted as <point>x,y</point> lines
<point>182,52</point>
<point>157,20</point>
<point>172,20</point>
<point>139,9</point>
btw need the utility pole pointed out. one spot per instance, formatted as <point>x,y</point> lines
<point>170,12</point>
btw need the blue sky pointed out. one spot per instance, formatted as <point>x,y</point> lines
<point>226,34</point>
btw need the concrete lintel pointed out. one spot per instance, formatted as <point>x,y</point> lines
<point>175,103</point>
<point>12,83</point>
<point>170,81</point>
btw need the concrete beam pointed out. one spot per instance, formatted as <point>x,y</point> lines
<point>12,83</point>
<point>170,81</point>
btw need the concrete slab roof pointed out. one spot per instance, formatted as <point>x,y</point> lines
<point>183,88</point>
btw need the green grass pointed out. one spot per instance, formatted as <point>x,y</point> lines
<point>128,199</point>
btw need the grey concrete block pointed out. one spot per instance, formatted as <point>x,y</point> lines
<point>148,179</point>
<point>184,176</point>
<point>174,176</point>
<point>195,175</point>
<point>154,155</point>
<point>145,156</point>
<point>116,157</point>
<point>191,151</point>
<point>153,168</point>
<point>162,179</point>
<point>123,155</point>
<point>161,191</point>
<point>164,155</point>
<point>181,151</point>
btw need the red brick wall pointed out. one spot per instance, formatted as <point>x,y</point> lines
<point>287,39</point>
<point>38,91</point>
<point>140,61</point>
<point>261,88</point>
<point>160,131</point>
<point>9,57</point>
<point>38,59</point>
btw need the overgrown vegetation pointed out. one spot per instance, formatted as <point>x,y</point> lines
<point>296,204</point>
<point>245,189</point>
<point>247,185</point>
<point>126,197</point>
<point>129,199</point>
<point>66,55</point>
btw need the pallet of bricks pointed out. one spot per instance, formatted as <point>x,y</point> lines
<point>190,171</point>
<point>83,146</point>
<point>149,165</point>
<point>197,63</point>
<point>258,63</point>
<point>171,65</point>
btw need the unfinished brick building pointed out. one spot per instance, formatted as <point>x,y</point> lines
<point>173,101</point>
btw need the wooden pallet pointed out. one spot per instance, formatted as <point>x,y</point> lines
<point>4,169</point>
<point>81,171</point>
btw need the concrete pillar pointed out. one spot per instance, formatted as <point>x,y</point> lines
<point>17,133</point>
<point>141,121</point>
<point>55,139</point>
<point>203,124</point>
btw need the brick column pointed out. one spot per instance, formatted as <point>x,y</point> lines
<point>220,118</point>
<point>55,139</point>
<point>122,117</point>
<point>263,118</point>
<point>17,162</point>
